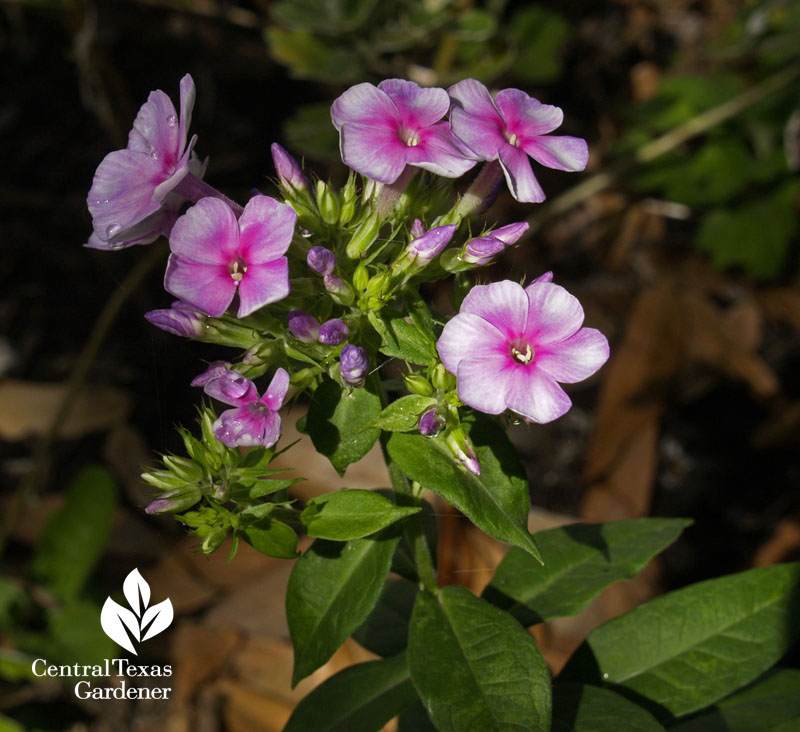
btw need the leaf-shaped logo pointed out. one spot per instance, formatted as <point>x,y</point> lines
<point>141,622</point>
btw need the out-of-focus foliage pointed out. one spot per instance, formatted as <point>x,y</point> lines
<point>436,42</point>
<point>738,179</point>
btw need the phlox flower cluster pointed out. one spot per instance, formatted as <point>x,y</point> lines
<point>303,283</point>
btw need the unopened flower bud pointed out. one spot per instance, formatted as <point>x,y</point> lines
<point>462,450</point>
<point>353,365</point>
<point>431,423</point>
<point>321,260</point>
<point>378,284</point>
<point>289,173</point>
<point>364,237</point>
<point>482,249</point>
<point>333,332</point>
<point>361,276</point>
<point>442,379</point>
<point>303,326</point>
<point>174,501</point>
<point>327,202</point>
<point>180,319</point>
<point>418,384</point>
<point>430,244</point>
<point>213,539</point>
<point>546,277</point>
<point>417,229</point>
<point>340,290</point>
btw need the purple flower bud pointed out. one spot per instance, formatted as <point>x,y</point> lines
<point>173,501</point>
<point>353,365</point>
<point>417,229</point>
<point>321,260</point>
<point>482,249</point>
<point>462,450</point>
<point>429,245</point>
<point>431,423</point>
<point>546,277</point>
<point>181,319</point>
<point>214,371</point>
<point>303,326</point>
<point>511,233</point>
<point>288,170</point>
<point>333,332</point>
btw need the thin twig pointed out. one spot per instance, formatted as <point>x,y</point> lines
<point>662,145</point>
<point>77,378</point>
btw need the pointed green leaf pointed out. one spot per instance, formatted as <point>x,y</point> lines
<point>579,561</point>
<point>689,648</point>
<point>358,699</point>
<point>404,340</point>
<point>403,414</point>
<point>332,589</point>
<point>351,514</point>
<point>579,708</point>
<point>496,501</point>
<point>339,423</point>
<point>273,538</point>
<point>772,704</point>
<point>475,667</point>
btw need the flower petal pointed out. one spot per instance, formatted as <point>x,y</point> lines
<point>248,426</point>
<point>437,152</point>
<point>418,106</point>
<point>156,130</point>
<point>535,396</point>
<point>525,116</point>
<point>376,152</point>
<point>276,391</point>
<point>231,388</point>
<point>208,232</point>
<point>208,287</point>
<point>503,304</point>
<point>554,313</point>
<point>365,104</point>
<point>187,106</point>
<point>266,229</point>
<point>575,358</point>
<point>520,178</point>
<point>463,335</point>
<point>482,381</point>
<point>263,284</point>
<point>475,120</point>
<point>559,152</point>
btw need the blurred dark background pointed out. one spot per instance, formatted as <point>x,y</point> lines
<point>685,255</point>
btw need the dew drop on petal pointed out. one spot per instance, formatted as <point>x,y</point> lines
<point>155,155</point>
<point>605,676</point>
<point>113,230</point>
<point>172,120</point>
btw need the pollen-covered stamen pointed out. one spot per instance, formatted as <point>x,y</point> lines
<point>520,356</point>
<point>512,139</point>
<point>411,139</point>
<point>238,269</point>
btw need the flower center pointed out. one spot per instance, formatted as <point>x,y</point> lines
<point>409,138</point>
<point>258,409</point>
<point>521,356</point>
<point>512,139</point>
<point>237,270</point>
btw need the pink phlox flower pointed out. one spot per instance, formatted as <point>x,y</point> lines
<point>131,199</point>
<point>214,256</point>
<point>254,420</point>
<point>511,127</point>
<point>509,348</point>
<point>382,129</point>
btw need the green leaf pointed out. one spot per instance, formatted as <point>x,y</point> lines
<point>309,57</point>
<point>385,631</point>
<point>76,534</point>
<point>404,340</point>
<point>772,704</point>
<point>331,18</point>
<point>579,708</point>
<point>697,644</point>
<point>403,414</point>
<point>579,561</point>
<point>359,698</point>
<point>539,35</point>
<point>415,719</point>
<point>339,423</point>
<point>16,666</point>
<point>309,131</point>
<point>332,589</point>
<point>10,725</point>
<point>266,486</point>
<point>351,514</point>
<point>273,538</point>
<point>475,667</point>
<point>76,636</point>
<point>496,501</point>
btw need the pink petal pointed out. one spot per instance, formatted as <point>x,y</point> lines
<point>465,333</point>
<point>575,358</point>
<point>535,396</point>
<point>263,284</point>
<point>208,232</point>
<point>122,192</point>
<point>525,116</point>
<point>473,97</point>
<point>365,104</point>
<point>554,314</point>
<point>187,106</point>
<point>266,229</point>
<point>559,152</point>
<point>376,152</point>
<point>482,380</point>
<point>520,178</point>
<point>208,287</point>
<point>418,107</point>
<point>155,130</point>
<point>163,189</point>
<point>503,304</point>
<point>232,388</point>
<point>276,391</point>
<point>475,120</point>
<point>248,426</point>
<point>438,153</point>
